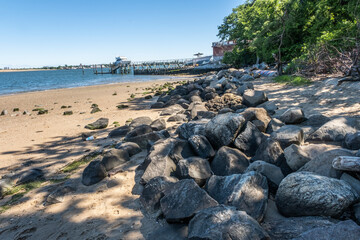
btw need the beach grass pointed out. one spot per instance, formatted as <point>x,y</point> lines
<point>76,164</point>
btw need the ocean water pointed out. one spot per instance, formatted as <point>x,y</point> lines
<point>15,82</point>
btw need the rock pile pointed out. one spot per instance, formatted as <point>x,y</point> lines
<point>229,159</point>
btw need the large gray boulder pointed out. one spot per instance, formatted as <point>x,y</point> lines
<point>247,192</point>
<point>288,134</point>
<point>270,151</point>
<point>257,115</point>
<point>253,98</point>
<point>130,147</point>
<point>273,173</point>
<point>309,194</point>
<point>201,146</point>
<point>114,157</point>
<point>183,200</point>
<point>296,157</point>
<point>137,131</point>
<point>148,138</point>
<point>158,162</point>
<point>229,161</point>
<point>172,110</point>
<point>98,124</point>
<point>249,140</point>
<point>93,173</point>
<point>140,121</point>
<point>274,125</point>
<point>345,230</point>
<point>269,106</point>
<point>224,222</point>
<point>223,129</point>
<point>194,168</point>
<point>322,163</point>
<point>158,125</point>
<point>181,149</point>
<point>352,141</point>
<point>120,131</point>
<point>336,129</point>
<point>152,193</point>
<point>188,129</point>
<point>290,228</point>
<point>293,116</point>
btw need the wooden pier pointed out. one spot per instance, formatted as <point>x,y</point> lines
<point>145,67</point>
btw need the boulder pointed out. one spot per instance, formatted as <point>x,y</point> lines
<point>32,175</point>
<point>158,162</point>
<point>178,118</point>
<point>140,121</point>
<point>158,124</point>
<point>274,125</point>
<point>58,195</point>
<point>174,109</point>
<point>253,98</point>
<point>246,78</point>
<point>287,135</point>
<point>197,108</point>
<point>183,200</point>
<point>223,129</point>
<point>270,151</point>
<point>137,131</point>
<point>114,157</point>
<point>296,157</point>
<point>229,161</point>
<point>247,192</point>
<point>181,149</point>
<point>145,139</point>
<point>157,105</point>
<point>272,173</point>
<point>352,141</point>
<point>205,114</point>
<point>225,110</point>
<point>309,194</point>
<point>249,140</point>
<point>224,222</point>
<point>322,163</point>
<point>130,147</point>
<point>269,106</point>
<point>195,98</point>
<point>152,193</point>
<point>98,124</point>
<point>259,114</point>
<point>353,182</point>
<point>290,228</point>
<point>336,130</point>
<point>93,173</point>
<point>345,230</point>
<point>245,86</point>
<point>188,129</point>
<point>210,96</point>
<point>356,210</point>
<point>194,168</point>
<point>293,116</point>
<point>346,163</point>
<point>120,131</point>
<point>201,146</point>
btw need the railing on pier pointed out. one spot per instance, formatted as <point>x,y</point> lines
<point>146,67</point>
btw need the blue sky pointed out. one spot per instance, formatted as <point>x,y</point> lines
<point>50,33</point>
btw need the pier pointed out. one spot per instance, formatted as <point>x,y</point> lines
<point>158,67</point>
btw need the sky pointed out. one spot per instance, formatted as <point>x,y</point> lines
<point>51,33</point>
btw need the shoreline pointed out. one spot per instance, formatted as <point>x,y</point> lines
<point>26,70</point>
<point>166,78</point>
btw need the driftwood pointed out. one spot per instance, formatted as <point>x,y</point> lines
<point>347,163</point>
<point>347,79</point>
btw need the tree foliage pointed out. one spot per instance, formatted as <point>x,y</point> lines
<point>310,30</point>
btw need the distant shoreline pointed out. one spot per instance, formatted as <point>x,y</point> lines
<point>27,70</point>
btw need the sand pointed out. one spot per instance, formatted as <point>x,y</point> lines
<point>109,209</point>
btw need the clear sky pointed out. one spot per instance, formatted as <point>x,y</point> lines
<point>50,33</point>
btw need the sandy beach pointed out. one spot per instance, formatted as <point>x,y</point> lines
<point>33,137</point>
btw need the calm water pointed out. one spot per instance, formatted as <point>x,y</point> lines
<point>14,82</point>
